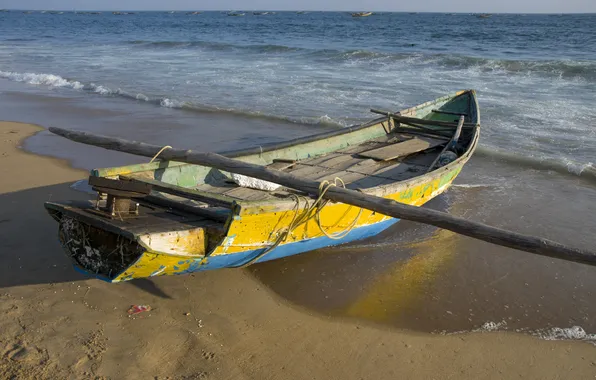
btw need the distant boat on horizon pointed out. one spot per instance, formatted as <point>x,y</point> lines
<point>236,14</point>
<point>484,15</point>
<point>361,14</point>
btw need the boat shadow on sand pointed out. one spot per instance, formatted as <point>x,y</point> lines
<point>30,252</point>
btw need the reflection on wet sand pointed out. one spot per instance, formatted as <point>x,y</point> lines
<point>381,279</point>
<point>401,286</point>
<point>425,279</point>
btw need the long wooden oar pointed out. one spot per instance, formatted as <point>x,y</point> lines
<point>384,206</point>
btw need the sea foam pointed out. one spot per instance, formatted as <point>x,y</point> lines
<point>552,333</point>
<point>42,79</point>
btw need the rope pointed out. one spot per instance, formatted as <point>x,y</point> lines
<point>158,153</point>
<point>323,187</point>
<point>306,216</point>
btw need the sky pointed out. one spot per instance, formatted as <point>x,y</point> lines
<point>504,6</point>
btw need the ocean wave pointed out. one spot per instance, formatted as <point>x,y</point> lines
<point>19,39</point>
<point>565,69</point>
<point>561,166</point>
<point>267,48</point>
<point>52,80</point>
<point>42,79</point>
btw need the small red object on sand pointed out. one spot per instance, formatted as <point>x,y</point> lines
<point>136,309</point>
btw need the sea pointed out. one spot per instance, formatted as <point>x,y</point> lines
<point>213,82</point>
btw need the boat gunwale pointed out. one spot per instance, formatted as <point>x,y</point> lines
<point>286,203</point>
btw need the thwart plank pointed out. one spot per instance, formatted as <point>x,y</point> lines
<point>400,149</point>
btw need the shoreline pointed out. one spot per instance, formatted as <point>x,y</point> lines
<point>216,325</point>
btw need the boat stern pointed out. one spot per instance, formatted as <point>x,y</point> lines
<point>92,250</point>
<point>107,248</point>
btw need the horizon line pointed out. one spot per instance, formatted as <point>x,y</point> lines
<point>288,10</point>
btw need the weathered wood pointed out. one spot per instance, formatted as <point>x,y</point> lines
<point>450,113</point>
<point>248,194</point>
<point>125,186</point>
<point>434,134</point>
<point>345,176</point>
<point>339,162</point>
<point>149,221</point>
<point>415,120</point>
<point>179,206</point>
<point>281,164</point>
<point>217,187</point>
<point>384,206</point>
<point>450,144</point>
<point>183,192</point>
<point>400,149</point>
<point>455,137</point>
<point>310,171</point>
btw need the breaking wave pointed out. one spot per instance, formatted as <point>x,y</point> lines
<point>561,166</point>
<point>42,79</point>
<point>52,80</point>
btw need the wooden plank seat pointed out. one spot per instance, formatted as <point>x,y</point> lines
<point>402,148</point>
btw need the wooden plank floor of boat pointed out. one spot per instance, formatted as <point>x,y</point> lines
<point>351,164</point>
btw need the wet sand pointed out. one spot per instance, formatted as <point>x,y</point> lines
<point>221,325</point>
<point>430,280</point>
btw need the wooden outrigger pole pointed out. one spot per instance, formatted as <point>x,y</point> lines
<point>480,231</point>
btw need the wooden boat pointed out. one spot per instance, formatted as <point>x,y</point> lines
<point>234,14</point>
<point>361,14</point>
<point>166,217</point>
<point>484,15</point>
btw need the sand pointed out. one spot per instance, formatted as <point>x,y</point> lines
<point>56,324</point>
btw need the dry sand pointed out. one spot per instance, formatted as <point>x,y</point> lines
<point>56,324</point>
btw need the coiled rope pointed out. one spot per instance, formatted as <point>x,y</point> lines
<point>312,211</point>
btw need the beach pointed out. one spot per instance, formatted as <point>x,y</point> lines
<point>412,302</point>
<point>226,324</point>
